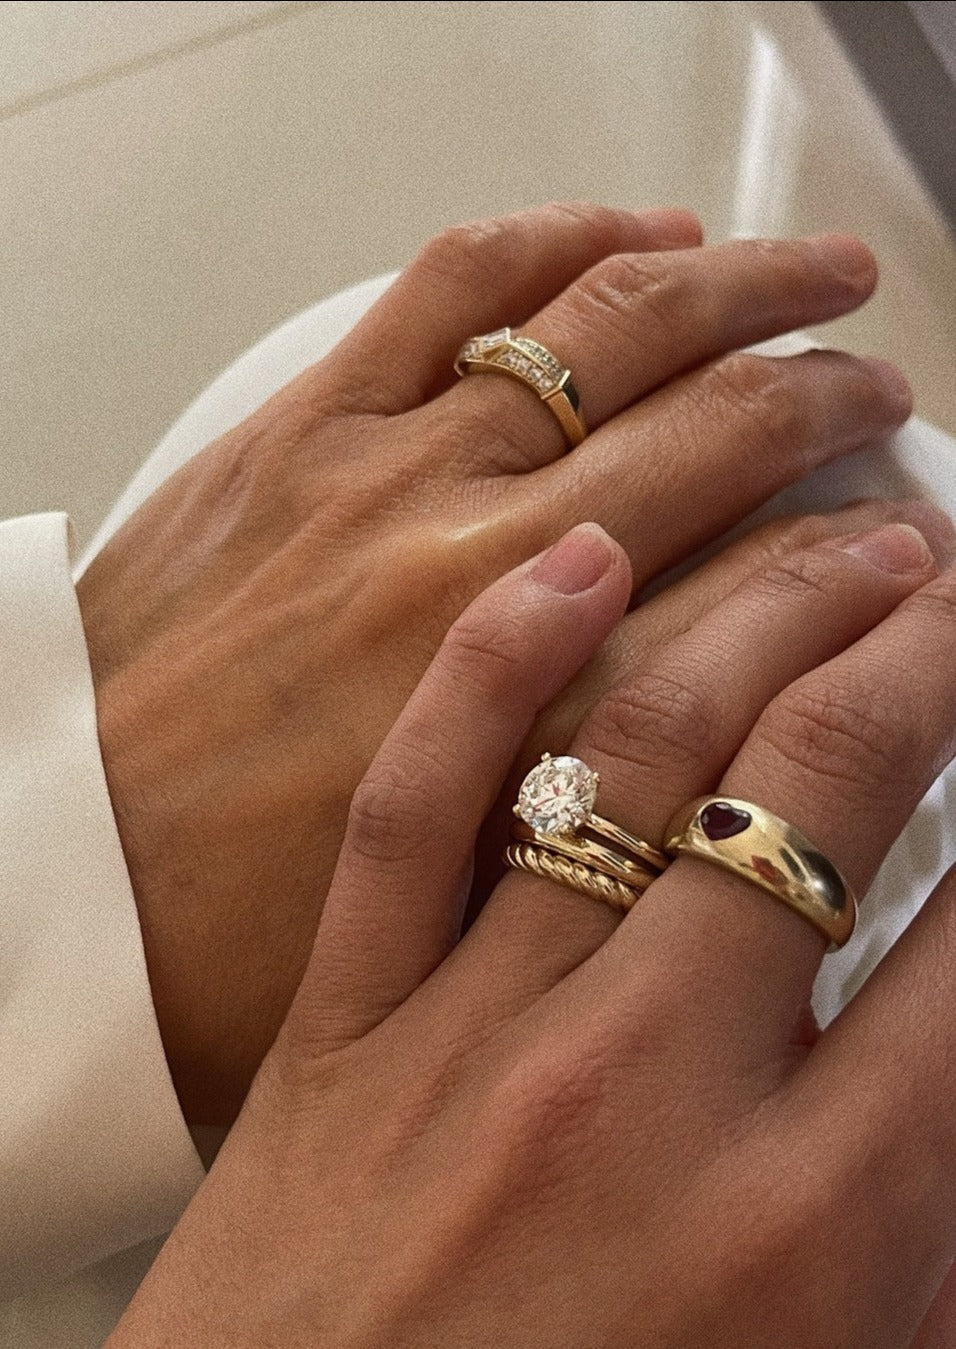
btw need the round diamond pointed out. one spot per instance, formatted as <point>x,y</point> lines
<point>558,795</point>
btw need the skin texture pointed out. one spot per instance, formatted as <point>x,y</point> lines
<point>257,625</point>
<point>573,1130</point>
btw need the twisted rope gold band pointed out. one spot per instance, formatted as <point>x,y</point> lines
<point>575,875</point>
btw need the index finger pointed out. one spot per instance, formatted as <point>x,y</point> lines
<point>475,278</point>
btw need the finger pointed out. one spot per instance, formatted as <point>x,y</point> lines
<point>395,904</point>
<point>735,432</point>
<point>668,731</point>
<point>844,754</point>
<point>893,1048</point>
<point>636,320</point>
<point>687,601</point>
<point>938,1327</point>
<point>475,278</point>
<point>886,1066</point>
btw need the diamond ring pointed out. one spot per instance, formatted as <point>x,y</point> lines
<point>532,364</point>
<point>555,815</point>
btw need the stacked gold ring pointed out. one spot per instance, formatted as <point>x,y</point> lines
<point>558,835</point>
<point>572,874</point>
<point>535,366</point>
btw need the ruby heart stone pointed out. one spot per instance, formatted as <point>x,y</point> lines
<point>722,820</point>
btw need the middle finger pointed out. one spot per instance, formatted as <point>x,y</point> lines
<point>689,462</point>
<point>634,321</point>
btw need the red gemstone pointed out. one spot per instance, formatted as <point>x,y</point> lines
<point>722,820</point>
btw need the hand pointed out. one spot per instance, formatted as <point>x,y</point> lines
<point>571,1130</point>
<point>258,624</point>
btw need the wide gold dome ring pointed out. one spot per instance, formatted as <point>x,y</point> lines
<point>761,848</point>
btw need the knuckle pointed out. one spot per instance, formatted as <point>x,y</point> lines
<point>652,716</point>
<point>625,282</point>
<point>390,817</point>
<point>581,215</point>
<point>757,393</point>
<point>485,655</point>
<point>779,538</point>
<point>837,737</point>
<point>476,249</point>
<point>798,575</point>
<point>935,605</point>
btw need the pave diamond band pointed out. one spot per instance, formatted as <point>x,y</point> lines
<point>534,365</point>
<point>555,816</point>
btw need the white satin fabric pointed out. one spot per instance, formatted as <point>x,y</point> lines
<point>94,1154</point>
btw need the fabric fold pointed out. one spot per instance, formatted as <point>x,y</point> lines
<point>95,1155</point>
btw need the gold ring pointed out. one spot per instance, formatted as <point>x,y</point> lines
<point>555,813</point>
<point>594,854</point>
<point>769,852</point>
<point>571,874</point>
<point>556,802</point>
<point>532,364</point>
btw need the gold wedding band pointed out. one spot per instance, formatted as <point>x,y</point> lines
<point>558,835</point>
<point>572,875</point>
<point>767,851</point>
<point>625,867</point>
<point>532,364</point>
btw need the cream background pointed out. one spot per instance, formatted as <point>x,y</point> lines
<point>177,178</point>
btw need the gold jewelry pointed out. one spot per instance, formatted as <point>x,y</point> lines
<point>768,852</point>
<point>591,853</point>
<point>555,815</point>
<point>532,364</point>
<point>571,874</point>
<point>556,801</point>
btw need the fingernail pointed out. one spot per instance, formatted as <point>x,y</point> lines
<point>576,562</point>
<point>892,382</point>
<point>847,257</point>
<point>894,548</point>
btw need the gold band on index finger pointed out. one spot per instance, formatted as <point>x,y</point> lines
<point>533,365</point>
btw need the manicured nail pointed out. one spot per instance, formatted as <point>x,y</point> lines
<point>847,257</point>
<point>576,562</point>
<point>893,383</point>
<point>894,548</point>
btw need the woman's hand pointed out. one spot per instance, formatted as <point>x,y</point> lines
<point>258,624</point>
<point>571,1130</point>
